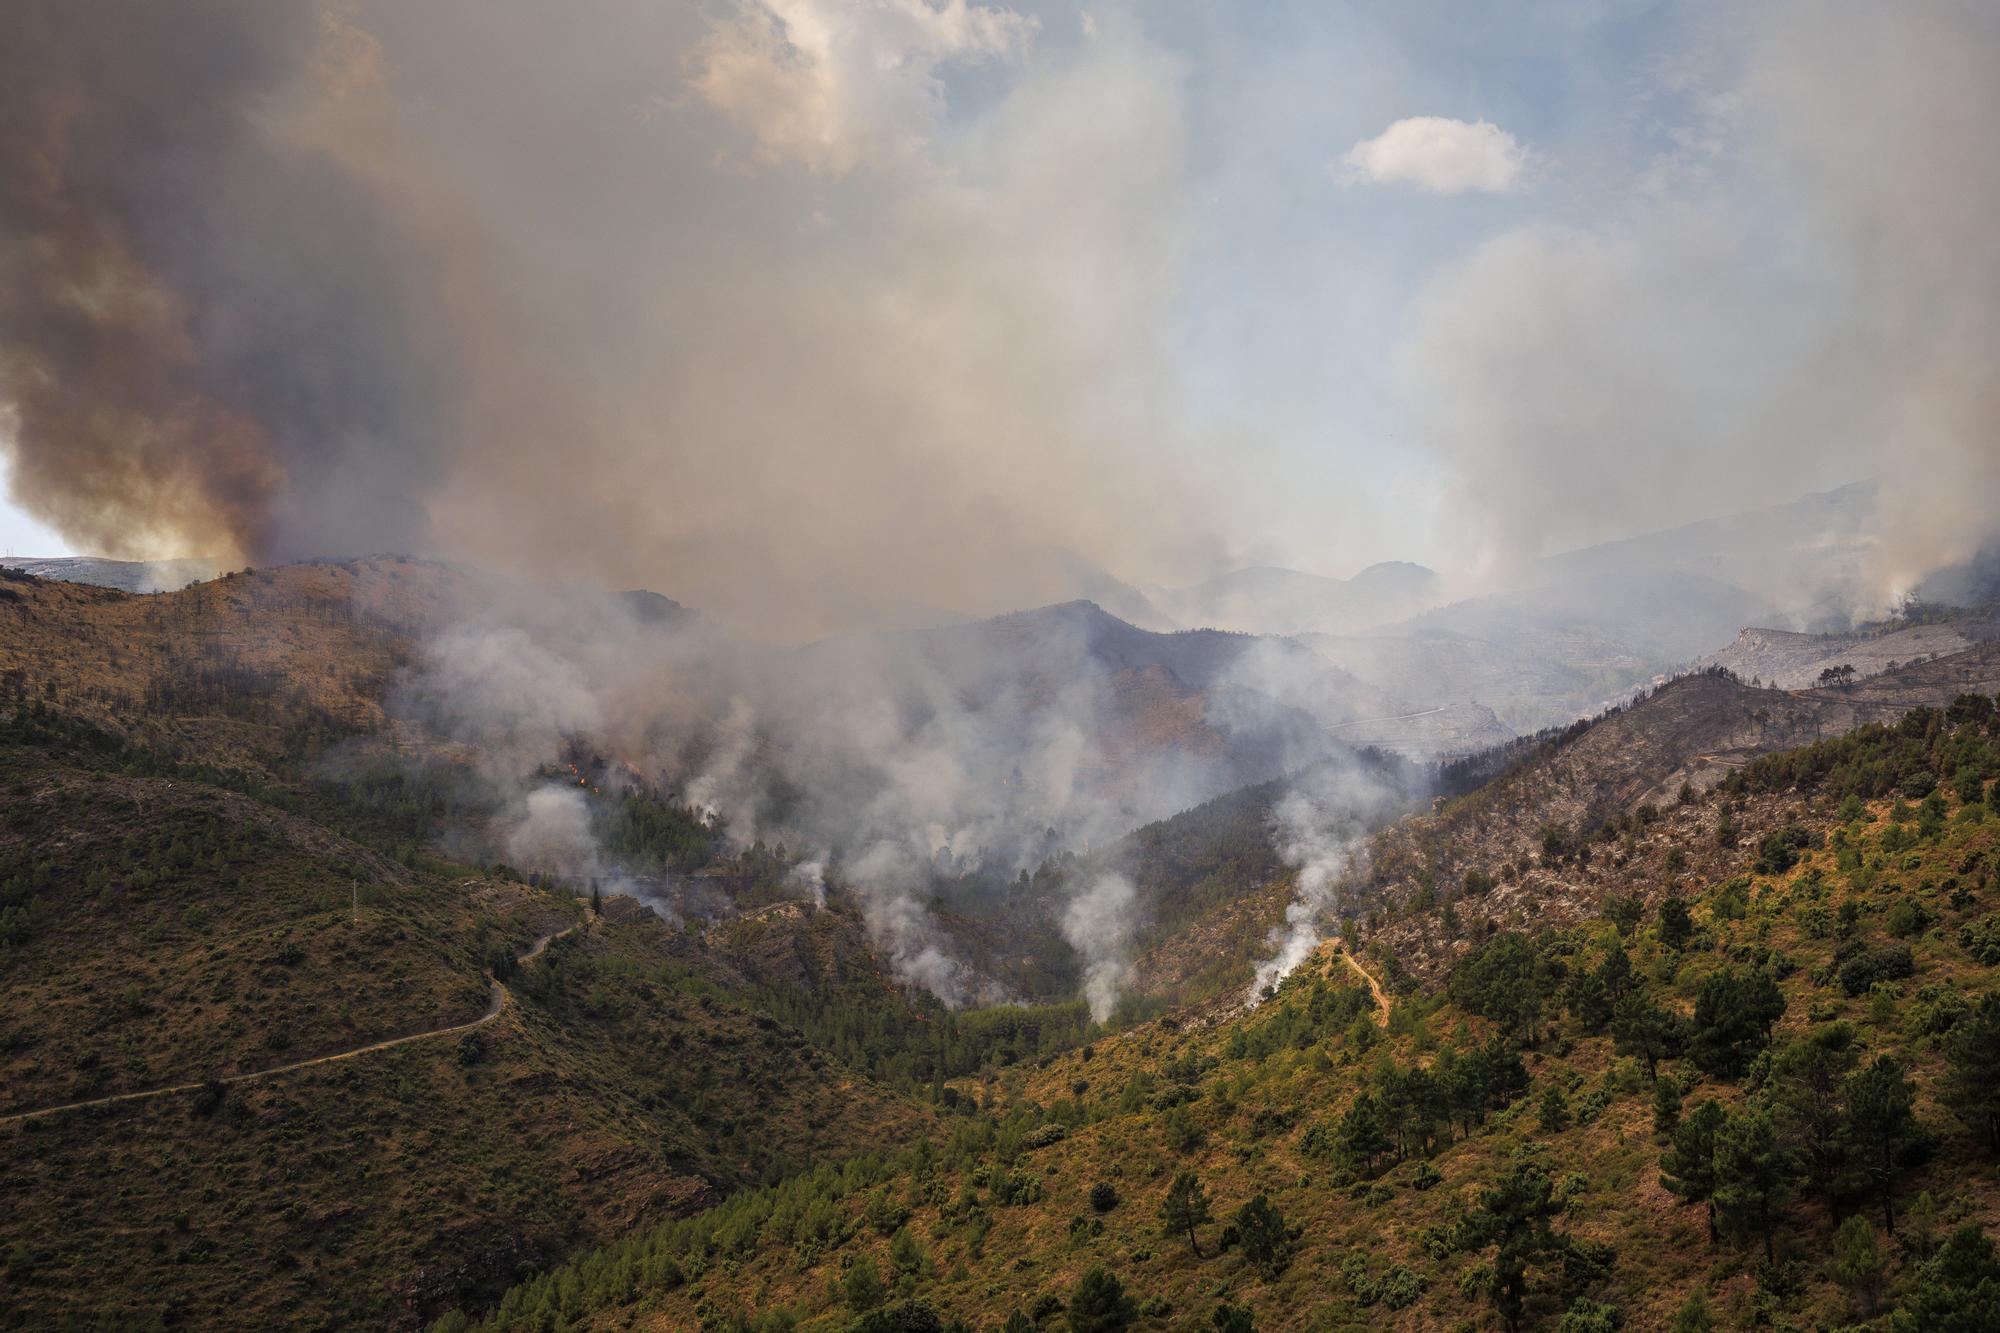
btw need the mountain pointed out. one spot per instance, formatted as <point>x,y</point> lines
<point>1545,655</point>
<point>1803,558</point>
<point>1556,829</point>
<point>1568,634</point>
<point>545,1078</point>
<point>1287,602</point>
<point>942,762</point>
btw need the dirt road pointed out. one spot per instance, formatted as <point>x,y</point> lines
<point>500,1000</point>
<point>1374,988</point>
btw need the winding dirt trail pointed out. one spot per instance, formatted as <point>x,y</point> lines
<point>1374,988</point>
<point>501,998</point>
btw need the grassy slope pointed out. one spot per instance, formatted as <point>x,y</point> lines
<point>982,1260</point>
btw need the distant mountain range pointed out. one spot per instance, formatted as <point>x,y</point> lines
<point>124,575</point>
<point>1383,657</point>
<point>1285,601</point>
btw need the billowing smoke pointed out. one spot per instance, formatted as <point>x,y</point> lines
<point>1319,829</point>
<point>1098,924</point>
<point>890,880</point>
<point>822,314</point>
<point>551,830</point>
<point>208,337</point>
<point>736,300</point>
<point>899,769</point>
<point>1801,289</point>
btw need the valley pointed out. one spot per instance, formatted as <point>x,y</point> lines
<point>959,666</point>
<point>259,950</point>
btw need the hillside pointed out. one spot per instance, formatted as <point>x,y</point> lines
<point>168,924</point>
<point>1574,818</point>
<point>1805,1037</point>
<point>1058,727</point>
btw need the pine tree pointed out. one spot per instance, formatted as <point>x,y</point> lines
<point>1676,926</point>
<point>1666,1105</point>
<point>1803,1094</point>
<point>1958,1290</point>
<point>864,1285</point>
<point>1687,1171</point>
<point>1856,1262</point>
<point>1753,1178</point>
<point>1361,1137</point>
<point>1881,1107</point>
<point>1640,1027</point>
<point>1972,1087</point>
<point>1266,1240</point>
<point>1555,1110</point>
<point>1516,1216</point>
<point>1733,1015</point>
<point>1184,1209</point>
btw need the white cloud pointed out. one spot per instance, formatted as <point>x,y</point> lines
<point>1441,155</point>
<point>835,85</point>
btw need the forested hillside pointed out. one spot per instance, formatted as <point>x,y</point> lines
<point>353,1083</point>
<point>1769,1101</point>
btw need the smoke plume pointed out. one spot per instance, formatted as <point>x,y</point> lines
<point>741,305</point>
<point>901,769</point>
<point>1319,829</point>
<point>1098,925</point>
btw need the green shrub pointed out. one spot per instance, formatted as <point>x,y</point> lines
<point>1982,939</point>
<point>1401,1287</point>
<point>1907,917</point>
<point>1860,967</point>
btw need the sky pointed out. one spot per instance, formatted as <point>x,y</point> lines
<point>21,533</point>
<point>830,312</point>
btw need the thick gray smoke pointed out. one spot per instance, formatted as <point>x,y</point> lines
<point>209,332</point>
<point>894,766</point>
<point>1801,289</point>
<point>732,300</point>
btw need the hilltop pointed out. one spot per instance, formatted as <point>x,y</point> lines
<point>124,575</point>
